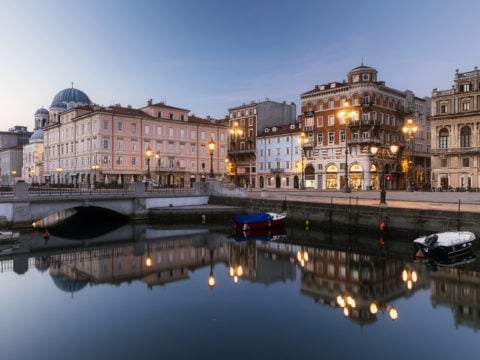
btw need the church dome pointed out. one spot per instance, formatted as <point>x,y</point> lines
<point>41,111</point>
<point>36,136</point>
<point>68,98</point>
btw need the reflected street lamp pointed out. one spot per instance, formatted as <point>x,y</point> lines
<point>391,310</point>
<point>95,168</point>
<point>347,115</point>
<point>148,154</point>
<point>211,146</point>
<point>347,303</point>
<point>382,153</point>
<point>409,277</point>
<point>410,129</point>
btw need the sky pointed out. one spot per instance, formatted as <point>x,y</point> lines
<point>211,55</point>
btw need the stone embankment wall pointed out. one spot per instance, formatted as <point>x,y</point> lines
<point>416,221</point>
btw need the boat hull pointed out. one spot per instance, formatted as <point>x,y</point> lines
<point>259,221</point>
<point>445,244</point>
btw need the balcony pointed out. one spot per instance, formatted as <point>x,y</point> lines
<point>277,170</point>
<point>455,151</point>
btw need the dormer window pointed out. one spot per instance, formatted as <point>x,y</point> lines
<point>366,77</point>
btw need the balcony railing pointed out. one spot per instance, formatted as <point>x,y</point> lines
<point>457,150</point>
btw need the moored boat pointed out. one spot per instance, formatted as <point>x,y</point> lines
<point>7,235</point>
<point>261,220</point>
<point>445,243</point>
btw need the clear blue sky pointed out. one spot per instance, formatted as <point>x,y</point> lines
<point>210,55</point>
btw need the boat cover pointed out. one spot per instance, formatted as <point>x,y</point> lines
<point>253,218</point>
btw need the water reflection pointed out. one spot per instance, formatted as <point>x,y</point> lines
<point>365,279</point>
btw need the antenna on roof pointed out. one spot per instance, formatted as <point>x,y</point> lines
<point>362,60</point>
<point>72,84</point>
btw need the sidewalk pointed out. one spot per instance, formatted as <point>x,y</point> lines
<point>444,201</point>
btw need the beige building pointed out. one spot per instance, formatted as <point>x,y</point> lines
<point>344,120</point>
<point>90,144</point>
<point>455,124</point>
<point>245,122</point>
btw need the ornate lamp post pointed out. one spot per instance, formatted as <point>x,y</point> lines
<point>410,129</point>
<point>382,153</point>
<point>95,168</point>
<point>303,140</point>
<point>211,147</point>
<point>235,131</point>
<point>59,172</point>
<point>148,154</point>
<point>347,115</point>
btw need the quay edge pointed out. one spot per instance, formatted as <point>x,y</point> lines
<point>412,220</point>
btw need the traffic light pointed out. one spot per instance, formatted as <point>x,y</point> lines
<point>389,178</point>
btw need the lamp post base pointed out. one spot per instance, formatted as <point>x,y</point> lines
<point>346,189</point>
<point>383,197</point>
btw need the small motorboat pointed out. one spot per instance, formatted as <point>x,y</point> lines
<point>7,235</point>
<point>261,220</point>
<point>445,243</point>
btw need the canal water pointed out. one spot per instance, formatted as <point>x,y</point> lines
<point>147,291</point>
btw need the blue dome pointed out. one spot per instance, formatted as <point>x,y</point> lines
<point>41,111</point>
<point>37,135</point>
<point>70,95</point>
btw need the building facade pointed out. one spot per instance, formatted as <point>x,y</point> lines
<point>89,144</point>
<point>280,158</point>
<point>455,124</point>
<point>245,122</point>
<point>344,120</point>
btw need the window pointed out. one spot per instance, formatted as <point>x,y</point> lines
<point>159,131</point>
<point>319,121</point>
<point>443,163</point>
<point>443,108</point>
<point>120,144</point>
<point>465,162</point>
<point>105,144</point>
<point>465,87</point>
<point>105,124</point>
<point>366,77</point>
<point>331,104</point>
<point>147,129</point>
<point>331,137</point>
<point>331,120</point>
<point>134,161</point>
<point>134,128</point>
<point>465,137</point>
<point>170,132</point>
<point>119,160</point>
<point>443,139</point>
<point>466,106</point>
<point>320,139</point>
<point>170,116</point>
<point>120,126</point>
<point>342,136</point>
<point>134,145</point>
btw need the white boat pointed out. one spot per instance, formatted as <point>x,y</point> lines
<point>8,235</point>
<point>445,243</point>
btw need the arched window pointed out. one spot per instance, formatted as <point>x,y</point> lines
<point>465,137</point>
<point>443,139</point>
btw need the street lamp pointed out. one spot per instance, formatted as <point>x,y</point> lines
<point>410,129</point>
<point>382,153</point>
<point>59,172</point>
<point>148,154</point>
<point>303,140</point>
<point>95,168</point>
<point>211,146</point>
<point>346,114</point>
<point>235,131</point>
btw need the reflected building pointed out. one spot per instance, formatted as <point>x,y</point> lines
<point>458,290</point>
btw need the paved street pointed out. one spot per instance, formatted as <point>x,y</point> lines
<point>451,201</point>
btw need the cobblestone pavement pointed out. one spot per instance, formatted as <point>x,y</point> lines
<point>447,201</point>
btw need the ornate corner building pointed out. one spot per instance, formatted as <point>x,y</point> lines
<point>339,146</point>
<point>455,125</point>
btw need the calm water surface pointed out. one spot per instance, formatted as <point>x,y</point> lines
<point>98,299</point>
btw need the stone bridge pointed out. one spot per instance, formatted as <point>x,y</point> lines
<point>22,207</point>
